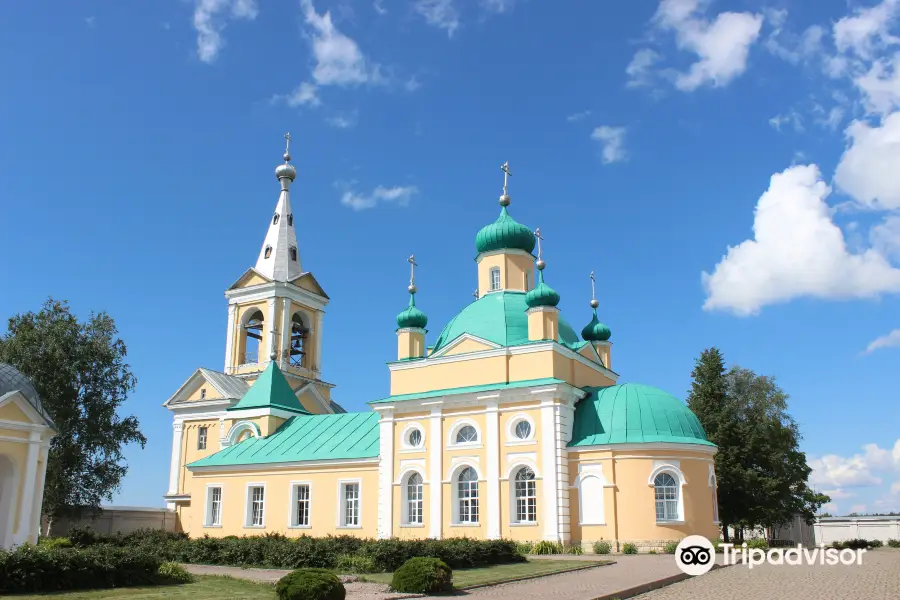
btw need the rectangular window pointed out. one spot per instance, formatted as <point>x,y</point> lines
<point>526,501</point>
<point>495,279</point>
<point>300,515</point>
<point>414,499</point>
<point>213,506</point>
<point>257,499</point>
<point>468,501</point>
<point>203,393</point>
<point>201,438</point>
<point>666,504</point>
<point>350,513</point>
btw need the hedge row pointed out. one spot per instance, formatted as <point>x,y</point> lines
<point>38,569</point>
<point>280,552</point>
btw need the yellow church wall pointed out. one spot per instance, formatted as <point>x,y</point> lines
<point>198,394</point>
<point>324,501</point>
<point>449,375</point>
<point>309,285</point>
<point>520,532</point>
<point>583,375</point>
<point>249,280</point>
<point>543,325</point>
<point>467,346</point>
<point>17,452</point>
<point>401,528</point>
<point>190,452</point>
<point>11,412</point>
<point>519,272</point>
<point>533,365</point>
<point>476,531</point>
<point>308,402</point>
<point>410,344</point>
<point>13,433</point>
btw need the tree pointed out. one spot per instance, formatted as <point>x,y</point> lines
<point>709,400</point>
<point>80,373</point>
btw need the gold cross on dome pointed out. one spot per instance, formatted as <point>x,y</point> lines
<point>412,268</point>
<point>506,175</point>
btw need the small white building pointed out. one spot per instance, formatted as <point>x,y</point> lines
<point>840,529</point>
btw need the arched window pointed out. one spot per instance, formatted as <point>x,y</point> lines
<point>299,333</point>
<point>526,496</point>
<point>467,495</point>
<point>414,499</point>
<point>275,220</point>
<point>268,252</point>
<point>495,278</point>
<point>666,497</point>
<point>466,435</point>
<point>253,332</point>
<point>291,220</point>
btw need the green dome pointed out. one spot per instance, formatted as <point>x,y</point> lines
<point>499,317</point>
<point>634,414</point>
<point>503,234</point>
<point>595,331</point>
<point>412,316</point>
<point>542,294</point>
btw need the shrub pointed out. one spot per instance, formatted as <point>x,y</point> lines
<point>547,547</point>
<point>171,572</point>
<point>670,547</point>
<point>82,536</point>
<point>876,544</point>
<point>857,544</point>
<point>575,549</point>
<point>354,563</point>
<point>310,584</point>
<point>35,569</point>
<point>422,576</point>
<point>524,547</point>
<point>838,545</point>
<point>602,547</point>
<point>652,551</point>
<point>629,548</point>
<point>758,544</point>
<point>57,542</point>
<point>892,543</point>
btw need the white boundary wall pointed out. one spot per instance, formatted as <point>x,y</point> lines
<point>840,529</point>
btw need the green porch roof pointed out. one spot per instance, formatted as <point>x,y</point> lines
<point>314,437</point>
<point>499,317</point>
<point>632,414</point>
<point>488,387</point>
<point>271,390</point>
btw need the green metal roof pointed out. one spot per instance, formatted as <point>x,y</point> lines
<point>271,390</point>
<point>301,438</point>
<point>412,316</point>
<point>542,294</point>
<point>632,414</point>
<point>595,330</point>
<point>500,317</point>
<point>504,233</point>
<point>488,387</point>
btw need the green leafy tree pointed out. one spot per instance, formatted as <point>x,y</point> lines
<point>80,372</point>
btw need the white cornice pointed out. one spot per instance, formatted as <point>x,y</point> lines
<point>646,447</point>
<point>546,392</point>
<point>286,465</point>
<point>277,289</point>
<point>196,410</point>
<point>540,309</point>
<point>503,251</point>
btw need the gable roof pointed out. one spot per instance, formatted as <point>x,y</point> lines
<point>13,381</point>
<point>345,436</point>
<point>271,390</point>
<point>229,387</point>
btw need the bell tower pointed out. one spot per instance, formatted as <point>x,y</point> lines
<point>276,309</point>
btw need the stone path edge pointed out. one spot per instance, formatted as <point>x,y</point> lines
<point>650,586</point>
<point>596,565</point>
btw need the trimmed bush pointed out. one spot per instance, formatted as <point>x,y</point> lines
<point>602,547</point>
<point>352,563</point>
<point>57,542</point>
<point>547,547</point>
<point>422,576</point>
<point>30,569</point>
<point>892,543</point>
<point>875,544</point>
<point>670,547</point>
<point>310,584</point>
<point>758,544</point>
<point>82,536</point>
<point>629,548</point>
<point>857,544</point>
<point>171,572</point>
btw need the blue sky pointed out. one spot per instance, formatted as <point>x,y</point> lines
<point>726,167</point>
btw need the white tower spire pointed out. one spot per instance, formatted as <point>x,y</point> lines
<point>279,258</point>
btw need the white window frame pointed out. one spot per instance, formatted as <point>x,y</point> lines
<point>248,505</point>
<point>673,469</point>
<point>342,503</point>
<point>455,514</point>
<point>676,501</point>
<point>202,435</point>
<point>714,485</point>
<point>405,445</point>
<point>207,508</point>
<point>513,489</point>
<point>454,429</point>
<point>499,283</point>
<point>294,498</point>
<point>406,503</point>
<point>511,439</point>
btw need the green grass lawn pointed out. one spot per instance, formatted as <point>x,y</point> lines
<point>205,588</point>
<point>463,578</point>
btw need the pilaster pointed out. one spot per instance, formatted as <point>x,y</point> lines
<point>23,530</point>
<point>550,467</point>
<point>435,470</point>
<point>175,464</point>
<point>229,338</point>
<point>386,475</point>
<point>284,351</point>
<point>271,347</point>
<point>39,493</point>
<point>492,441</point>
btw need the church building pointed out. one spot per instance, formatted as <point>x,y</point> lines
<point>507,425</point>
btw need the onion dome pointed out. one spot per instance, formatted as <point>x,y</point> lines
<point>504,234</point>
<point>542,294</point>
<point>286,170</point>
<point>595,331</point>
<point>412,316</point>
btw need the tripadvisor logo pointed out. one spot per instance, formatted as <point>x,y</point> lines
<point>695,555</point>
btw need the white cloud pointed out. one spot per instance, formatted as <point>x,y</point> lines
<point>339,61</point>
<point>613,141</point>
<point>210,17</point>
<point>378,5</point>
<point>858,508</point>
<point>722,45</point>
<point>790,46</point>
<point>412,84</point>
<point>345,121</point>
<point>867,168</point>
<point>797,251</point>
<point>498,6</point>
<point>867,29</point>
<point>791,118</point>
<point>304,94</point>
<point>397,195</point>
<point>640,69</point>
<point>578,116</point>
<point>891,340</point>
<point>90,21</point>
<point>838,472</point>
<point>885,237</point>
<point>439,13</point>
